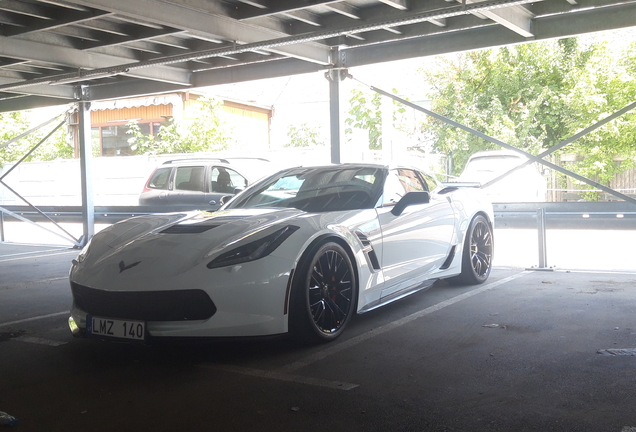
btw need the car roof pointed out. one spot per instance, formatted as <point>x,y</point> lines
<point>214,161</point>
<point>497,153</point>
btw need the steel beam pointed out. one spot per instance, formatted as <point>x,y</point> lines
<point>543,28</point>
<point>271,69</point>
<point>38,51</point>
<point>185,18</point>
<point>60,91</point>
<point>23,102</point>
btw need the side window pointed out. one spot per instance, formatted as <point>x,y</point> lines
<point>224,180</point>
<point>189,178</point>
<point>411,180</point>
<point>160,178</point>
<point>400,182</point>
<point>431,183</point>
<point>393,189</point>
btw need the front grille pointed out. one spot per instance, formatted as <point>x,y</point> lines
<point>179,305</point>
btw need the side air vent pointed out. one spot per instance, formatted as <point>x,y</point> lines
<point>188,229</point>
<point>368,250</point>
<point>449,259</point>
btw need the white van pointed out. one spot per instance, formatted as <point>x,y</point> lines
<point>526,184</point>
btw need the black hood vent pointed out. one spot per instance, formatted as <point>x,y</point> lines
<point>188,229</point>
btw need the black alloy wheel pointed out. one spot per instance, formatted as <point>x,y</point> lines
<point>478,252</point>
<point>325,293</point>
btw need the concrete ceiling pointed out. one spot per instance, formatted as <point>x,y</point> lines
<point>57,51</point>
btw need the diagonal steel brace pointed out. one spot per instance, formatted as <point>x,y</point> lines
<point>488,138</point>
<point>23,219</point>
<point>566,142</point>
<point>24,199</point>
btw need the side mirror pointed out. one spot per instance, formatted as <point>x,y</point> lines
<point>411,198</point>
<point>238,190</point>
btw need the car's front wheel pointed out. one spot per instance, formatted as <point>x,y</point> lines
<point>324,293</point>
<point>478,252</point>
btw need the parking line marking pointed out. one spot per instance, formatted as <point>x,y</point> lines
<point>35,252</point>
<point>617,352</point>
<point>34,282</point>
<point>393,325</point>
<point>6,324</point>
<point>616,272</point>
<point>39,341</point>
<point>38,256</point>
<point>338,385</point>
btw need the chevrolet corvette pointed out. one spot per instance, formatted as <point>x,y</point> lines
<point>299,253</point>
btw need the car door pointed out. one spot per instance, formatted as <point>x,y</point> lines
<point>418,240</point>
<point>223,181</point>
<point>189,187</point>
<point>157,187</point>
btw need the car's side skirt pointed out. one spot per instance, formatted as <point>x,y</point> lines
<point>398,295</point>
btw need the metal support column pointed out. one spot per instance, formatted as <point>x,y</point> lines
<point>85,151</point>
<point>543,250</point>
<point>334,76</point>
<point>1,226</point>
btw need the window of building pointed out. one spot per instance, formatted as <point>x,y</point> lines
<point>112,139</point>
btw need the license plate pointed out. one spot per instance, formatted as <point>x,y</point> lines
<point>115,328</point>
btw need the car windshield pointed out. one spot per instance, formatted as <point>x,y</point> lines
<point>323,189</point>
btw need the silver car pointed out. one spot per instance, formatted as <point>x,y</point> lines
<point>200,183</point>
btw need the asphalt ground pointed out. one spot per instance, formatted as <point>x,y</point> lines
<point>526,351</point>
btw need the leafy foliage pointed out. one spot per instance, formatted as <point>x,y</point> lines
<point>202,130</point>
<point>534,96</point>
<point>365,113</point>
<point>54,147</point>
<point>303,136</point>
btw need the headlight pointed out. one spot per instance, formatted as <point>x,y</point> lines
<point>255,250</point>
<point>82,255</point>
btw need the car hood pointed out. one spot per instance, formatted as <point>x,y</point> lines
<point>171,244</point>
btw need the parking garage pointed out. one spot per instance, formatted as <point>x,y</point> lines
<point>547,343</point>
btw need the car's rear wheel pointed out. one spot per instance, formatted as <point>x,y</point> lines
<point>324,294</point>
<point>477,253</point>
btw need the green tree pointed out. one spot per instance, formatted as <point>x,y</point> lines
<point>54,147</point>
<point>202,130</point>
<point>365,113</point>
<point>534,96</point>
<point>521,95</point>
<point>303,136</point>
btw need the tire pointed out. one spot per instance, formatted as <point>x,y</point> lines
<point>477,254</point>
<point>323,295</point>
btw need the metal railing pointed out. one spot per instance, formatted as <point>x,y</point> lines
<point>563,215</point>
<point>615,215</point>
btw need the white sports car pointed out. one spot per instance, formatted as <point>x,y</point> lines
<point>299,252</point>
